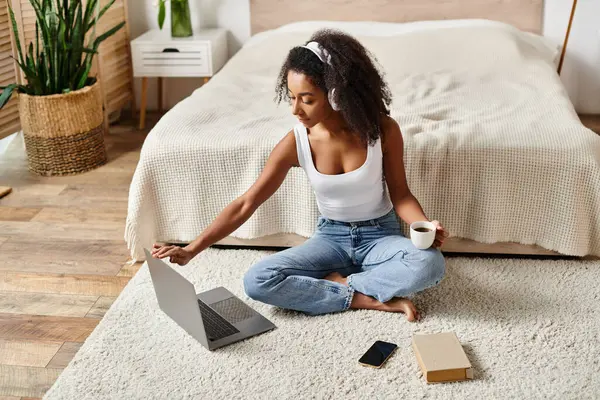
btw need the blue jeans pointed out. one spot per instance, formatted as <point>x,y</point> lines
<point>377,259</point>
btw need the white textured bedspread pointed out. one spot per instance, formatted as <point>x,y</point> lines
<point>493,146</point>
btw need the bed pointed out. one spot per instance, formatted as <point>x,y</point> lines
<point>493,146</point>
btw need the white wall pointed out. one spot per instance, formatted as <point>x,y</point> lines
<point>581,67</point>
<point>580,74</point>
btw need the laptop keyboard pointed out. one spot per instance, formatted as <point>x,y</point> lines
<point>216,326</point>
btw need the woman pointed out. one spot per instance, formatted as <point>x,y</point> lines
<point>350,150</point>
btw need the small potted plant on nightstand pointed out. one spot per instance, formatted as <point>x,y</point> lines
<point>181,23</point>
<point>60,105</point>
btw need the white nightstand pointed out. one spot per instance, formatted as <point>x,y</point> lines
<point>157,54</point>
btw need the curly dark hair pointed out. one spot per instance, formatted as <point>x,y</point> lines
<point>360,88</point>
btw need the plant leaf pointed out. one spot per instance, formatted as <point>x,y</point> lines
<point>86,70</point>
<point>16,33</point>
<point>44,72</point>
<point>32,78</point>
<point>30,62</point>
<point>52,20</point>
<point>107,34</point>
<point>37,41</point>
<point>64,55</point>
<point>76,55</point>
<point>46,38</point>
<point>6,93</point>
<point>161,13</point>
<point>87,16</point>
<point>101,13</point>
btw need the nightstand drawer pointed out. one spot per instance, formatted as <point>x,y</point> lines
<point>172,60</point>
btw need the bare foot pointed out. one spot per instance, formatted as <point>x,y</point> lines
<point>403,305</point>
<point>397,304</point>
<point>336,277</point>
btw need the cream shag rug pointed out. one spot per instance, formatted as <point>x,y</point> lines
<point>529,327</point>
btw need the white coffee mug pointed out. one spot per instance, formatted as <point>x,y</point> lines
<point>422,240</point>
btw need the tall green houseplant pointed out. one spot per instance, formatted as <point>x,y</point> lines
<point>61,63</point>
<point>60,104</point>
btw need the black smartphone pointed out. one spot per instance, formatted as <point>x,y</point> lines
<point>377,354</point>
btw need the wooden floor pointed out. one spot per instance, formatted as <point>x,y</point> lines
<point>63,259</point>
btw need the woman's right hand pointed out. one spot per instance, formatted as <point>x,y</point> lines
<point>176,254</point>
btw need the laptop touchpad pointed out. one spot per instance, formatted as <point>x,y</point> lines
<point>233,310</point>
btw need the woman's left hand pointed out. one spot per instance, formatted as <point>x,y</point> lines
<point>440,234</point>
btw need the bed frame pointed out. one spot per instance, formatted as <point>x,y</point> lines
<point>451,245</point>
<point>526,15</point>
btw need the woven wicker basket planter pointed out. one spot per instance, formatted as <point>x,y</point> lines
<point>64,133</point>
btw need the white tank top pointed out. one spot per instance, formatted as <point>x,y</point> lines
<point>357,195</point>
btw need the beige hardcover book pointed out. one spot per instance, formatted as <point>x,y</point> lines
<point>441,357</point>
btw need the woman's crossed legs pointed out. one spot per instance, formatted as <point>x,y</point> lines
<point>319,277</point>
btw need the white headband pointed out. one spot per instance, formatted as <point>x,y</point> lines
<point>319,51</point>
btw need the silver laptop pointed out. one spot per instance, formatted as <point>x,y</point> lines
<point>215,318</point>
